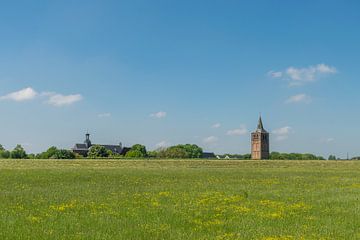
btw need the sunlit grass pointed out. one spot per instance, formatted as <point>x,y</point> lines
<point>168,199</point>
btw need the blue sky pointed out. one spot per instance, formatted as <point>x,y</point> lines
<point>169,72</point>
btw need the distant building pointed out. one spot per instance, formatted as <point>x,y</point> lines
<point>208,155</point>
<point>84,148</point>
<point>260,143</point>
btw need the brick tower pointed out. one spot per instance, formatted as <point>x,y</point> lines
<point>260,143</point>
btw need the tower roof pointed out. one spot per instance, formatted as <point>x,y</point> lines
<point>87,140</point>
<point>260,126</point>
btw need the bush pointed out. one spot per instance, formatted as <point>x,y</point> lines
<point>4,154</point>
<point>134,154</point>
<point>181,151</point>
<point>137,151</point>
<point>152,154</point>
<point>97,151</point>
<point>48,153</point>
<point>63,154</point>
<point>294,156</point>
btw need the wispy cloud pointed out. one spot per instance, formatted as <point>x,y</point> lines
<point>299,98</point>
<point>300,76</point>
<point>328,140</point>
<point>160,114</point>
<point>275,74</point>
<point>216,125</point>
<point>210,140</point>
<point>104,115</point>
<point>162,144</point>
<point>59,100</point>
<point>25,94</point>
<point>238,131</point>
<point>282,133</point>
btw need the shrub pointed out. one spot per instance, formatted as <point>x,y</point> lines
<point>181,151</point>
<point>137,151</point>
<point>97,151</point>
<point>63,154</point>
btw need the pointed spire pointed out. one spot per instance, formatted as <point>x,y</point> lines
<point>260,124</point>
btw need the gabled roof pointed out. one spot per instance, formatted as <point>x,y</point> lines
<point>80,146</point>
<point>113,148</point>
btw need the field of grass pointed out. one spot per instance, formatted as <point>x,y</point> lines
<point>101,199</point>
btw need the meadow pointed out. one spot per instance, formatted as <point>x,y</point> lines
<point>186,199</point>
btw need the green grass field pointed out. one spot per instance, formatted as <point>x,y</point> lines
<point>101,199</point>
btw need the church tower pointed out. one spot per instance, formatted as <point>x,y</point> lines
<point>87,140</point>
<point>260,143</point>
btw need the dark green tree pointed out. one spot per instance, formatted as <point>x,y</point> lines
<point>48,153</point>
<point>137,151</point>
<point>3,152</point>
<point>192,150</point>
<point>18,152</point>
<point>181,151</point>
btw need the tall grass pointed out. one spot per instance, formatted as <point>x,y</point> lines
<point>168,199</point>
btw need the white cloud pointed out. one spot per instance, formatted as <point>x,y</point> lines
<point>59,100</point>
<point>299,98</point>
<point>216,125</point>
<point>21,95</point>
<point>322,68</point>
<point>104,115</point>
<point>275,74</point>
<point>299,76</point>
<point>158,114</point>
<point>237,132</point>
<point>327,140</point>
<point>210,140</point>
<point>54,98</point>
<point>162,144</point>
<point>282,133</point>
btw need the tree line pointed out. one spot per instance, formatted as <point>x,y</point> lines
<point>294,156</point>
<point>139,151</point>
<point>52,153</point>
<point>180,151</point>
<point>98,151</point>
<point>281,156</point>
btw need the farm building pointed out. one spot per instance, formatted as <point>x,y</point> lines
<point>83,148</point>
<point>208,155</point>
